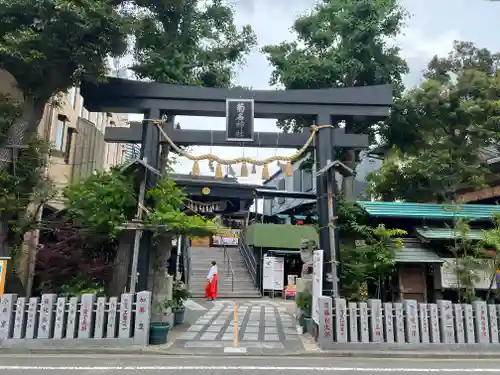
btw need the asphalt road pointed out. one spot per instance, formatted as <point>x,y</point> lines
<point>156,365</point>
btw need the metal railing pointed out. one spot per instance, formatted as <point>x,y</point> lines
<point>229,265</point>
<point>248,258</point>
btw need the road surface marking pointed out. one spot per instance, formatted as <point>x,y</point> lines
<point>194,306</point>
<point>242,368</point>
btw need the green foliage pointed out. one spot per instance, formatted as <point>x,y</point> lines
<point>468,261</point>
<point>189,42</point>
<point>167,211</point>
<point>303,301</point>
<point>371,262</point>
<point>341,43</point>
<point>25,183</point>
<point>81,285</point>
<point>180,294</point>
<point>102,202</point>
<point>49,45</point>
<point>10,111</point>
<point>441,127</point>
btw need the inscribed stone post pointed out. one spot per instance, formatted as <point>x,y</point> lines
<point>412,332</point>
<point>46,316</point>
<point>20,318</point>
<point>142,318</point>
<point>353,322</point>
<point>60,324</point>
<point>7,303</point>
<point>100,322</point>
<point>446,325</point>
<point>112,317</point>
<point>470,335</point>
<point>376,334</point>
<point>125,329</point>
<point>423,322</point>
<point>493,319</point>
<point>72,325</point>
<point>459,323</point>
<point>32,318</point>
<point>481,322</point>
<point>389,322</point>
<point>340,320</point>
<point>363,322</point>
<point>325,327</point>
<point>86,321</point>
<point>399,325</point>
<point>434,323</point>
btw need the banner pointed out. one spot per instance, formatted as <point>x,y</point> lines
<point>3,275</point>
<point>228,237</point>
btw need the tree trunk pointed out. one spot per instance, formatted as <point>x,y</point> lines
<point>157,273</point>
<point>25,127</point>
<point>121,264</point>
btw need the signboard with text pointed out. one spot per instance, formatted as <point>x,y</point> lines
<point>239,120</point>
<point>317,286</point>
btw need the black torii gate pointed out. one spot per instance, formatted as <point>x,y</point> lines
<point>322,106</point>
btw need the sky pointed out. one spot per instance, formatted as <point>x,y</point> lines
<point>432,28</point>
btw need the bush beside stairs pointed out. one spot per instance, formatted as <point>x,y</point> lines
<point>201,258</point>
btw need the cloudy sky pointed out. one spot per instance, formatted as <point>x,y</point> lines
<point>433,27</point>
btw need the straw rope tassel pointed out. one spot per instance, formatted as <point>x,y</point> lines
<point>244,169</point>
<point>196,168</point>
<point>289,169</point>
<point>218,171</point>
<point>265,172</point>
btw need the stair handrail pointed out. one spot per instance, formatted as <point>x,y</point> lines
<point>229,265</point>
<point>248,257</point>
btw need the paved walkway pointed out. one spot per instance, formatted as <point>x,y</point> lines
<point>262,326</point>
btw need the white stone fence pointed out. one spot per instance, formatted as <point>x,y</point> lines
<point>85,317</point>
<point>408,322</point>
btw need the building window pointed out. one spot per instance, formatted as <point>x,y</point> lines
<point>307,181</point>
<point>60,130</point>
<point>297,180</point>
<point>281,187</point>
<point>69,141</point>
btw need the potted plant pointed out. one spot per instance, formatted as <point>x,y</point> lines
<point>304,303</point>
<point>179,295</point>
<point>159,330</point>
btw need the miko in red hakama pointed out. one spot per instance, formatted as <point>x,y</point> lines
<point>211,288</point>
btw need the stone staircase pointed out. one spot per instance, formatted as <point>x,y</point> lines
<point>201,258</point>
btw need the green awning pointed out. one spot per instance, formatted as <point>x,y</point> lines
<point>280,236</point>
<point>414,252</point>
<point>429,210</point>
<point>446,233</point>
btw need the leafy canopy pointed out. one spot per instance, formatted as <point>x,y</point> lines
<point>441,127</point>
<point>189,42</point>
<point>102,202</point>
<point>169,202</point>
<point>340,43</point>
<point>106,200</point>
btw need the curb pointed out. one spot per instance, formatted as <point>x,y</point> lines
<point>381,354</point>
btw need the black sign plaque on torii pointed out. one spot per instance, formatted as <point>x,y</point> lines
<point>322,106</point>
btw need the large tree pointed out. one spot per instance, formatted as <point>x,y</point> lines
<point>48,46</point>
<point>440,129</point>
<point>190,42</point>
<point>341,43</point>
